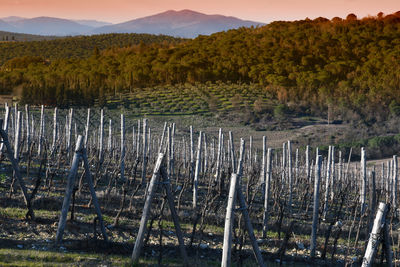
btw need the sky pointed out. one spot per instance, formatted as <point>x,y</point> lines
<point>116,11</point>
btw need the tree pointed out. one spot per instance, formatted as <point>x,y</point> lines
<point>236,101</point>
<point>259,106</point>
<point>351,17</point>
<point>336,19</point>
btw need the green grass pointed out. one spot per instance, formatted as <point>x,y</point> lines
<point>22,257</point>
<point>19,213</point>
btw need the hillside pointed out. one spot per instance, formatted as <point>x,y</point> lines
<point>184,23</point>
<point>310,66</point>
<point>45,26</point>
<point>22,37</point>
<point>73,47</point>
<point>4,26</point>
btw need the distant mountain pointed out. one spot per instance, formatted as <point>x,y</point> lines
<point>4,26</point>
<point>12,19</point>
<point>184,23</point>
<point>50,26</point>
<point>93,23</point>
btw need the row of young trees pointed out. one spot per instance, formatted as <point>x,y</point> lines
<point>348,62</point>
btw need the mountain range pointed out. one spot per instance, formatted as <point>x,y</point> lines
<point>184,23</point>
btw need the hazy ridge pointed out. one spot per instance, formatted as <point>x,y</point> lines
<point>184,23</point>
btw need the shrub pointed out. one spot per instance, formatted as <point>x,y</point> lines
<point>394,108</point>
<point>281,111</point>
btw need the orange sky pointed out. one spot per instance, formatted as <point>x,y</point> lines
<point>258,10</point>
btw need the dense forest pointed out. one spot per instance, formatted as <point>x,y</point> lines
<point>352,63</point>
<point>15,37</point>
<point>72,47</point>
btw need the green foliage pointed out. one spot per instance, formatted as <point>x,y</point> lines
<point>13,36</point>
<point>394,108</point>
<point>76,47</point>
<point>376,147</point>
<point>281,111</point>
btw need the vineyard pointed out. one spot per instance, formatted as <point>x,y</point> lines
<point>86,187</point>
<point>191,99</point>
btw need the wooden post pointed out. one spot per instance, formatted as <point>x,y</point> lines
<point>69,129</point>
<point>296,166</point>
<point>5,125</point>
<point>205,154</point>
<point>333,173</point>
<point>69,189</point>
<point>197,171</point>
<point>87,127</point>
<point>374,239</point>
<point>388,179</point>
<point>250,163</point>
<point>144,165</point>
<point>249,226</point>
<point>65,128</point>
<point>15,117</point>
<point>244,209</point>
<point>395,184</point>
<point>327,182</point>
<point>289,153</point>
<point>18,126</point>
<point>340,171</point>
<point>148,152</point>
<point>169,141</point>
<point>122,159</point>
<point>363,193</point>
<point>283,163</point>
<point>263,171</point>
<point>232,151</point>
<point>241,158</point>
<point>41,131</point>
<point>172,163</point>
<point>174,215</point>
<point>55,134</point>
<point>317,179</point>
<point>28,133</point>
<point>95,202</point>
<point>191,153</point>
<point>267,192</point>
<point>101,133</point>
<point>218,164</point>
<point>146,210</point>
<point>308,174</point>
<point>160,146</point>
<point>133,140</point>
<point>229,218</point>
<point>386,240</point>
<point>109,142</point>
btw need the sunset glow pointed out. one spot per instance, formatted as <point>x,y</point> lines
<point>258,10</point>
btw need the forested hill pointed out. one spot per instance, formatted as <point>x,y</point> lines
<point>76,47</point>
<point>351,62</point>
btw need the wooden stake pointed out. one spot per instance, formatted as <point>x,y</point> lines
<point>374,239</point>
<point>197,171</point>
<point>68,191</point>
<point>146,210</point>
<point>317,179</point>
